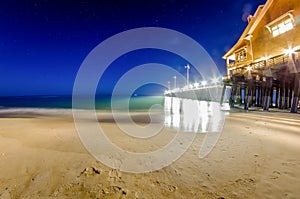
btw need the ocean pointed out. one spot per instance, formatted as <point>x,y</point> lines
<point>65,102</point>
<point>181,114</point>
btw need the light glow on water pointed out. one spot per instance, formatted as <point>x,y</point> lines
<point>190,118</point>
<point>193,115</point>
<point>175,113</point>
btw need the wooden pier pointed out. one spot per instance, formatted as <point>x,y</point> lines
<point>263,67</point>
<point>269,83</point>
<point>203,93</point>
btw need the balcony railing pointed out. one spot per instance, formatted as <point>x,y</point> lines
<point>231,65</point>
<point>281,59</point>
<point>260,65</point>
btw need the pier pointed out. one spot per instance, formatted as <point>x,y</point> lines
<point>263,67</point>
<point>269,83</point>
<point>212,92</point>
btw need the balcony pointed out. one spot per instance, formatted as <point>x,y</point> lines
<point>231,65</point>
<point>257,67</point>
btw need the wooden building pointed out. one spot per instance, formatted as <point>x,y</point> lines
<point>263,66</point>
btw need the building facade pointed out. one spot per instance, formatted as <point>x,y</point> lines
<point>263,66</point>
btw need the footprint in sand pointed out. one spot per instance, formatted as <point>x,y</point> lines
<point>167,187</point>
<point>91,171</point>
<point>275,175</point>
<point>114,175</point>
<point>67,188</point>
<point>113,190</point>
<point>71,186</point>
<point>247,182</point>
<point>177,172</point>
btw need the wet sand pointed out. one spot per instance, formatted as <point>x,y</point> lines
<point>256,156</point>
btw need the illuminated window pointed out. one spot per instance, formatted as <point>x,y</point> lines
<point>241,55</point>
<point>282,27</point>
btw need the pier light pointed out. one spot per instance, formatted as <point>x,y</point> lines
<point>215,80</point>
<point>204,83</point>
<point>289,51</point>
<point>174,77</point>
<point>249,68</point>
<point>187,67</point>
<point>196,84</point>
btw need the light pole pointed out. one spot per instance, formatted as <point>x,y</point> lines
<point>169,85</point>
<point>187,67</point>
<point>174,77</point>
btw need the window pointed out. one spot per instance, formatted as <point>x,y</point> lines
<point>241,55</point>
<point>282,27</point>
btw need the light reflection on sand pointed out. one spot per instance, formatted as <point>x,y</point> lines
<point>193,115</point>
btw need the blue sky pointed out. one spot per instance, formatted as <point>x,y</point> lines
<point>43,43</point>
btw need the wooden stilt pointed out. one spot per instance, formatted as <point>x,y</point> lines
<point>240,95</point>
<point>277,96</point>
<point>259,94</point>
<point>271,96</point>
<point>246,101</point>
<point>232,95</point>
<point>253,96</point>
<point>282,95</point>
<point>289,97</point>
<point>286,96</point>
<point>263,91</point>
<point>267,96</point>
<point>295,98</point>
<point>248,94</point>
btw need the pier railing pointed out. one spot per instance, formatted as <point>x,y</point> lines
<point>258,66</point>
<point>194,88</point>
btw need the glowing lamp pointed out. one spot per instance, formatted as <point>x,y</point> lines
<point>249,68</point>
<point>289,51</point>
<point>215,80</point>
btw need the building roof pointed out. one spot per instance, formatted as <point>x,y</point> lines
<point>258,15</point>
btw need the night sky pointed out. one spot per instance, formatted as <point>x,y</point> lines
<point>43,43</point>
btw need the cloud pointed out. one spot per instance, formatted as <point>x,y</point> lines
<point>246,11</point>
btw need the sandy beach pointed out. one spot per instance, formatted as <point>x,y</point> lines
<point>256,156</point>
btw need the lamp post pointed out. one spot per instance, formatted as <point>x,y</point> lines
<point>187,67</point>
<point>174,77</point>
<point>169,85</point>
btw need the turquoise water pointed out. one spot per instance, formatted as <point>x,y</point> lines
<point>101,103</point>
<point>180,114</point>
